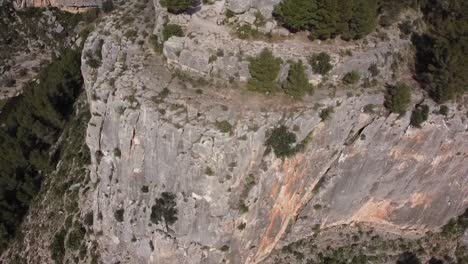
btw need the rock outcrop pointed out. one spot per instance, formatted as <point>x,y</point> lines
<point>154,131</point>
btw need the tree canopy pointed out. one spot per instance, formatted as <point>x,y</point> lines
<point>329,18</point>
<point>30,126</point>
<point>178,6</point>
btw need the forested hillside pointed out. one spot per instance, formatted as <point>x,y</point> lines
<point>30,126</point>
<point>442,52</point>
<point>325,19</point>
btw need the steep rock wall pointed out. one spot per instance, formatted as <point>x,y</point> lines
<point>371,168</point>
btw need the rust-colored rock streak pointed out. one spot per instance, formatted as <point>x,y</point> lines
<point>289,200</point>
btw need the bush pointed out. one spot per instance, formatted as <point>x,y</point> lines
<point>419,115</point>
<point>352,77</point>
<point>164,211</point>
<point>408,258</point>
<point>75,237</point>
<point>326,113</point>
<point>264,70</point>
<point>321,63</point>
<point>398,98</point>
<point>171,30</point>
<point>178,6</point>
<point>119,215</point>
<point>444,110</point>
<point>297,83</point>
<point>224,126</point>
<point>282,142</point>
<point>57,248</point>
<point>107,6</point>
<point>374,70</point>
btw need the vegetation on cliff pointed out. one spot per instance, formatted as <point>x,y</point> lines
<point>442,52</point>
<point>329,18</point>
<point>264,70</point>
<point>30,126</point>
<point>178,6</point>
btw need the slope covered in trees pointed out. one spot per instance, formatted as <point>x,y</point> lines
<point>30,126</point>
<point>329,18</point>
<point>442,52</point>
<point>352,19</point>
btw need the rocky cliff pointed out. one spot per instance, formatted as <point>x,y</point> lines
<point>181,173</point>
<point>155,132</point>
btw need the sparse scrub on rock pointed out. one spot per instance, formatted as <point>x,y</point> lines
<point>297,84</point>
<point>398,98</point>
<point>264,70</point>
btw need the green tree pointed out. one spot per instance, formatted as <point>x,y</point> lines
<point>178,6</point>
<point>321,63</point>
<point>296,15</point>
<point>419,115</point>
<point>264,70</point>
<point>364,18</point>
<point>398,98</point>
<point>297,83</point>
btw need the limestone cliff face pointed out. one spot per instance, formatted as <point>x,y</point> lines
<point>153,131</point>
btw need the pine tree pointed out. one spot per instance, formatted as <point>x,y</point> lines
<point>297,15</point>
<point>297,83</point>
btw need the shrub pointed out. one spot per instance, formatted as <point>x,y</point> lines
<point>171,30</point>
<point>326,113</point>
<point>224,126</point>
<point>321,63</point>
<point>374,70</point>
<point>398,98</point>
<point>243,208</point>
<point>145,189</point>
<point>408,258</point>
<point>178,6</point>
<point>57,247</point>
<point>282,142</point>
<point>352,77</point>
<point>444,110</point>
<point>8,81</point>
<point>119,215</point>
<point>209,171</point>
<point>419,115</point>
<point>117,152</point>
<point>164,210</point>
<point>264,70</point>
<point>75,237</point>
<point>107,6</point>
<point>297,83</point>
